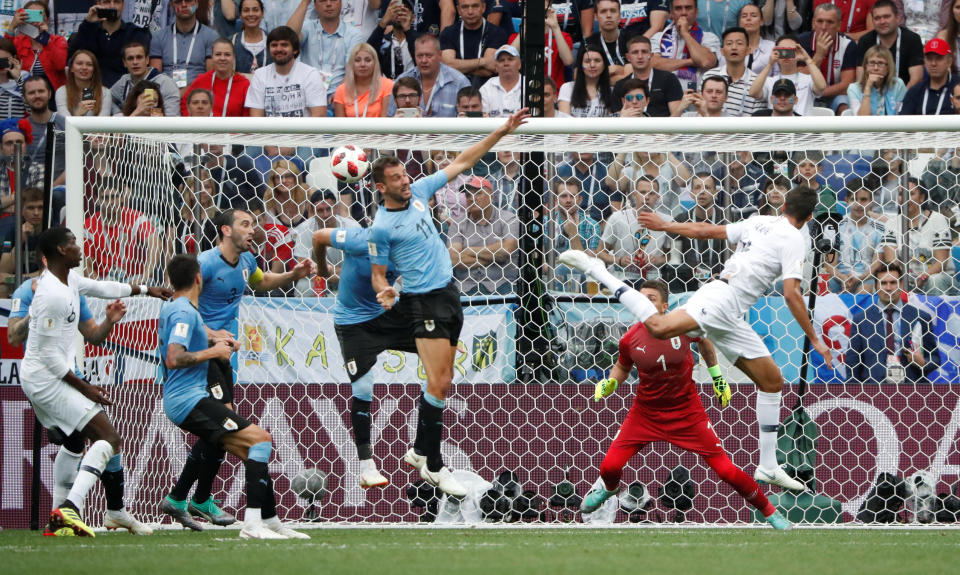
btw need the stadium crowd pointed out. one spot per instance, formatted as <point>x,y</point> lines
<point>440,58</point>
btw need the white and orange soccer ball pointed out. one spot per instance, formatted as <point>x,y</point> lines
<point>349,163</point>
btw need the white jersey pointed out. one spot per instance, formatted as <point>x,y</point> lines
<point>768,247</point>
<point>54,317</point>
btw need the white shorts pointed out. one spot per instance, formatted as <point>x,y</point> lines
<point>714,307</point>
<point>57,404</point>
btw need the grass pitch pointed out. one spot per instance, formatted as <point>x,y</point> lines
<point>579,551</point>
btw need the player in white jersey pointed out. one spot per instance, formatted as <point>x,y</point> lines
<point>60,398</point>
<point>767,247</point>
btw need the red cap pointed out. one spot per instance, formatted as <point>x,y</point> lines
<point>478,182</point>
<point>937,46</point>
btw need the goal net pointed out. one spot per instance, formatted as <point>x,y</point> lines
<point>872,437</point>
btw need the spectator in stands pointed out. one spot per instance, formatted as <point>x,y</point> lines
<point>709,102</point>
<point>469,45</point>
<point>738,76</point>
<point>430,16</point>
<point>36,94</point>
<point>505,175</point>
<point>236,179</point>
<point>364,92</point>
<point>836,55</point>
<point>884,177</point>
<point>590,94</point>
<point>182,50</point>
<point>808,173</point>
<point>794,64</point>
<point>634,252</point>
<point>774,195</point>
<point>683,47</point>
<point>595,196</point>
<point>879,92</point>
<point>450,199</point>
<point>905,44</point>
<point>199,103</point>
<point>715,16</point>
<point>664,88</point>
<point>122,243</point>
<point>287,87</point>
<point>643,17</point>
<point>633,103</point>
<point>394,39</point>
<point>325,40</point>
<point>571,228</point>
<point>702,258</point>
<point>285,197</point>
<point>11,82</point>
<point>84,94</point>
<point>550,100</point>
<point>106,37</point>
<point>930,97</point>
<point>406,95</point>
<point>883,336</point>
<point>144,99</point>
<point>272,243</point>
<point>195,230</point>
<point>855,17</point>
<point>784,99</point>
<point>502,94</point>
<point>439,83</point>
<point>250,43</point>
<point>609,40</point>
<point>557,45</point>
<point>14,131</point>
<point>758,47</point>
<point>483,244</point>
<point>624,171</point>
<point>950,33</point>
<point>31,210</point>
<point>40,53</point>
<point>927,242</point>
<point>470,103</point>
<point>742,187</point>
<point>859,239</point>
<point>324,216</point>
<point>229,88</point>
<point>138,69</point>
<point>576,17</point>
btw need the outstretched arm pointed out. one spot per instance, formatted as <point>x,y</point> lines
<point>794,299</point>
<point>321,239</point>
<point>271,280</point>
<point>472,155</point>
<point>708,352</point>
<point>695,230</point>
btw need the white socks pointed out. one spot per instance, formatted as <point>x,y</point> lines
<point>367,465</point>
<point>768,417</point>
<point>251,516</point>
<point>90,468</point>
<point>636,302</point>
<point>66,465</point>
<point>273,523</point>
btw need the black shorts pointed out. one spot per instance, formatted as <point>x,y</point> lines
<point>210,419</point>
<point>361,343</point>
<point>220,380</point>
<point>435,314</point>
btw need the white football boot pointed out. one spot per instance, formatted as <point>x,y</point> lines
<point>777,476</point>
<point>370,476</point>
<point>444,481</point>
<point>415,460</point>
<point>257,530</point>
<point>122,519</point>
<point>273,524</point>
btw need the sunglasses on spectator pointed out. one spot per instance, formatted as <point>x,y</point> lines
<point>631,97</point>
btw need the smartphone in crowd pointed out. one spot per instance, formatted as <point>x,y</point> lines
<point>87,94</point>
<point>107,13</point>
<point>34,16</point>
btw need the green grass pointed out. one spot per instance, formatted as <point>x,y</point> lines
<point>493,552</point>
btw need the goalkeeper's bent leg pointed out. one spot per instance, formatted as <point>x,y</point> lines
<point>741,482</point>
<point>611,469</point>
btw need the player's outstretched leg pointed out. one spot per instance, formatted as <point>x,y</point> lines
<point>611,470</point>
<point>360,404</point>
<point>634,301</point>
<point>748,489</point>
<point>202,504</point>
<point>175,503</point>
<point>117,516</point>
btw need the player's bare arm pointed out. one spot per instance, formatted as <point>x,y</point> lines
<point>97,333</point>
<point>321,239</point>
<point>708,352</point>
<point>472,155</point>
<point>271,280</point>
<point>694,230</point>
<point>178,357</point>
<point>152,291</point>
<point>18,329</point>
<point>386,293</point>
<point>94,393</point>
<point>794,299</point>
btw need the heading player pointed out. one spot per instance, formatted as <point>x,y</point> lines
<point>227,270</point>
<point>403,233</point>
<point>184,351</point>
<point>667,408</point>
<point>364,329</point>
<point>767,247</point>
<point>63,400</point>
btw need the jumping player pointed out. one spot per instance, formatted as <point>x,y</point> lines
<point>767,247</point>
<point>364,329</point>
<point>403,233</point>
<point>667,408</point>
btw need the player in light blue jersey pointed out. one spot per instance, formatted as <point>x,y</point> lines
<point>185,350</point>
<point>364,330</point>
<point>228,270</point>
<point>403,233</point>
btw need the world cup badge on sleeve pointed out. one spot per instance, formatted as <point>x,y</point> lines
<point>429,324</point>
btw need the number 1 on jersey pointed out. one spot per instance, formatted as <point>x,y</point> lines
<point>663,362</point>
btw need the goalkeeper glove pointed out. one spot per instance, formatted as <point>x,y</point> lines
<point>720,387</point>
<point>605,388</point>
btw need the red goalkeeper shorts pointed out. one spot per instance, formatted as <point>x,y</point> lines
<point>689,430</point>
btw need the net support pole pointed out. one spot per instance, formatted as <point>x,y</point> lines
<point>74,203</point>
<point>48,170</point>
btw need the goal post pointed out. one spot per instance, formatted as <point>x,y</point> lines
<point>142,189</point>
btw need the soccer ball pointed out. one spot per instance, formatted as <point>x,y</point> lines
<point>310,484</point>
<point>349,163</point>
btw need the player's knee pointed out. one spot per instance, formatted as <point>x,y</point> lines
<point>771,384</point>
<point>260,435</point>
<point>113,438</point>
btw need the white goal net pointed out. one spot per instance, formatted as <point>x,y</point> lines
<point>872,440</point>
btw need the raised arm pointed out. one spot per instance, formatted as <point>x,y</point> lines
<point>296,19</point>
<point>321,239</point>
<point>694,230</point>
<point>472,155</point>
<point>96,333</point>
<point>271,280</point>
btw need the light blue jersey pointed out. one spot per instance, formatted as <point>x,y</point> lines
<point>23,296</point>
<point>181,323</point>
<point>356,300</point>
<point>223,287</point>
<point>408,238</point>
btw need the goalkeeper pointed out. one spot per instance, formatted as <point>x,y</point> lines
<point>667,408</point>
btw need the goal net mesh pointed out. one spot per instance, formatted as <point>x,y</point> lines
<point>873,441</point>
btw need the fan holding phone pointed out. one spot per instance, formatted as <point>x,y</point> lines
<point>11,102</point>
<point>39,51</point>
<point>84,94</point>
<point>793,62</point>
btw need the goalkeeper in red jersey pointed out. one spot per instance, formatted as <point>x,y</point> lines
<point>667,408</point>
